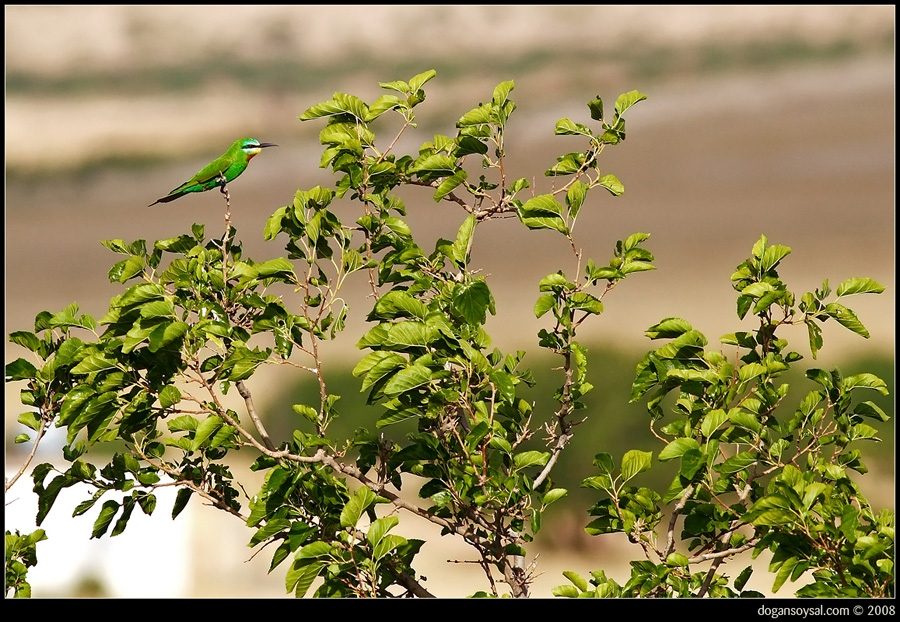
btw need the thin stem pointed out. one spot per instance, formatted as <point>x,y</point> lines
<point>254,417</point>
<point>45,424</point>
<point>224,190</point>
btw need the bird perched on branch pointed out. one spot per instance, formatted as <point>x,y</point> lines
<point>220,171</point>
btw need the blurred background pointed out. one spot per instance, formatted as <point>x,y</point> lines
<point>759,120</point>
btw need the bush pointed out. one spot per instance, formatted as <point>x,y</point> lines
<point>199,319</point>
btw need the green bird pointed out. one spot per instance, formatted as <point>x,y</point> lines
<point>220,171</point>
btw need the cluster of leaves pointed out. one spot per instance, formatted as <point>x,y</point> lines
<point>20,555</point>
<point>199,319</point>
<point>750,478</point>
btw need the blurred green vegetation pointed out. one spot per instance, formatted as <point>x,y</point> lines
<point>611,424</point>
<point>641,62</point>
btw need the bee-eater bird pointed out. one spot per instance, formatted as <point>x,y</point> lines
<point>220,171</point>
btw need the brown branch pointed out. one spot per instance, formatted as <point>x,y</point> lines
<point>358,475</point>
<point>670,540</point>
<point>181,481</point>
<point>561,441</point>
<point>722,554</point>
<point>45,424</point>
<point>254,417</point>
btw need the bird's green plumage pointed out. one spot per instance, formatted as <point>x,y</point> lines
<point>220,171</point>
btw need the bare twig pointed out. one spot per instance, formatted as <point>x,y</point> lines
<point>45,424</point>
<point>254,417</point>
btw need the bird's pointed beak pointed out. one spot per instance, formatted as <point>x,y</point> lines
<point>261,145</point>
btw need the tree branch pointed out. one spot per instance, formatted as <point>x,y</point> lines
<point>40,434</point>
<point>251,410</point>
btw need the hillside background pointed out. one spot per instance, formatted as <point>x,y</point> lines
<point>782,117</point>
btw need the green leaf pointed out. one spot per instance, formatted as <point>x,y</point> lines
<point>773,517</point>
<point>167,333</point>
<point>341,103</point>
<point>565,591</point>
<point>677,447</point>
<point>677,559</point>
<point>224,434</point>
<point>531,458</point>
<point>466,145</point>
<point>169,396</point>
<point>576,579</point>
<point>473,300</point>
<point>750,371</point>
<point>544,222</point>
<point>737,463</point>
<point>501,92</point>
<point>553,495</point>
<point>242,363</point>
<point>634,462</point>
<point>783,573</point>
<point>278,267</point>
<point>846,318</point>
<point>691,461</point>
<point>612,183</point>
<point>127,509</point>
<point>307,412</point>
<point>711,422</point>
<point>126,269</point>
<point>542,205</point>
<point>742,578</point>
<point>205,429</point>
<point>596,108</point>
<point>300,577</point>
<point>586,302</point>
<point>93,363</point>
<point>273,224</point>
<point>871,410</point>
<point>158,308</point>
<point>554,282</point>
<point>383,104</point>
<point>30,420</point>
<point>181,501</point>
<point>859,286</point>
<point>464,240</point>
<point>379,528</point>
<point>669,328</point>
<point>183,423</point>
<point>543,212</point>
<point>385,365</point>
<point>20,369</point>
<point>575,197</point>
<point>866,381</point>
<point>475,117</point>
<point>504,384</point>
<point>407,379</point>
<point>773,256</point>
<point>450,183</point>
<point>568,164</point>
<point>544,304</point>
<point>25,339</point>
<point>406,334</point>
<point>627,100</point>
<point>398,303</point>
<point>435,164</point>
<point>815,337</point>
<point>567,127</point>
<point>418,80</point>
<point>355,507</point>
<point>107,512</point>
